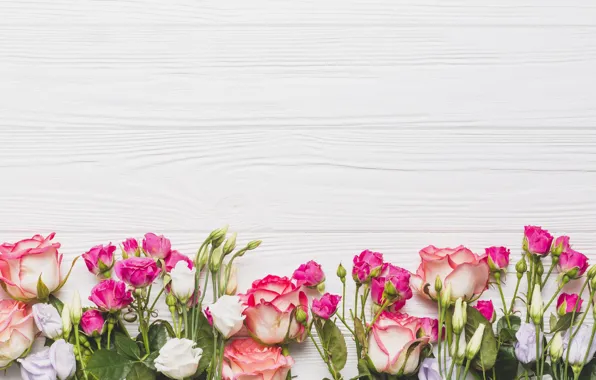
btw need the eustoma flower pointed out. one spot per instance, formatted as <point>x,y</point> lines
<point>245,359</point>
<point>487,310</point>
<point>138,272</point>
<point>467,272</point>
<point>567,302</point>
<point>62,358</point>
<point>365,263</point>
<point>111,295</point>
<point>158,247</point>
<point>537,241</point>
<point>581,345</point>
<point>47,320</point>
<point>325,306</point>
<point>270,305</point>
<point>17,330</point>
<point>309,274</point>
<point>100,259</point>
<point>572,263</point>
<point>400,278</point>
<point>525,347</point>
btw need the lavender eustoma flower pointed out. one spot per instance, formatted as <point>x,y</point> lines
<point>580,345</point>
<point>525,347</point>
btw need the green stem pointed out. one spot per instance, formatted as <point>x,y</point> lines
<point>358,348</point>
<point>143,325</point>
<point>440,334</point>
<point>155,300</point>
<point>467,368</point>
<point>110,328</point>
<point>559,288</point>
<point>504,303</point>
<point>530,285</point>
<point>323,356</point>
<point>550,270</point>
<point>286,352</point>
<point>381,310</point>
<point>538,343</point>
<point>76,331</point>
<point>343,299</point>
<point>185,314</point>
<point>589,345</point>
<point>457,337</point>
<point>514,295</point>
<point>346,324</point>
<point>98,342</point>
<point>573,320</point>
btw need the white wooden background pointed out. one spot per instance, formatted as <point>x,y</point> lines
<point>321,127</point>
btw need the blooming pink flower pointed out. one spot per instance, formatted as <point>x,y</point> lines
<point>567,302</point>
<point>400,279</point>
<point>498,258</point>
<point>17,330</point>
<point>100,259</point>
<point>270,304</point>
<point>570,260</point>
<point>22,264</point>
<point>326,306</point>
<point>467,272</point>
<point>131,247</point>
<point>110,295</point>
<point>245,359</point>
<point>487,310</point>
<point>561,245</point>
<point>92,322</point>
<point>364,263</point>
<point>429,328</point>
<point>309,274</point>
<point>174,257</point>
<point>538,240</point>
<point>158,247</point>
<point>137,272</point>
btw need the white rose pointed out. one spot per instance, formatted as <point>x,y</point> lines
<point>183,281</point>
<point>178,358</point>
<point>227,315</point>
<point>48,320</point>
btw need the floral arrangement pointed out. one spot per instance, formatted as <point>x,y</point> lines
<point>211,332</point>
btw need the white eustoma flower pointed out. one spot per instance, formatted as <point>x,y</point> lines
<point>63,359</point>
<point>227,315</point>
<point>178,358</point>
<point>580,345</point>
<point>37,365</point>
<point>183,281</point>
<point>48,320</point>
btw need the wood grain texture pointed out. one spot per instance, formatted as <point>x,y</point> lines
<point>322,127</point>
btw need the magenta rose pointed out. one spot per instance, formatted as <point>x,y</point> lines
<point>498,258</point>
<point>92,322</point>
<point>567,302</point>
<point>245,359</point>
<point>270,305</point>
<point>174,257</point>
<point>130,247</point>
<point>325,306</point>
<point>309,274</point>
<point>429,328</point>
<point>158,247</point>
<point>467,272</point>
<point>137,272</point>
<point>100,259</point>
<point>487,310</point>
<point>364,264</point>
<point>22,264</point>
<point>400,278</point>
<point>572,263</point>
<point>536,240</point>
<point>560,245</point>
<point>110,295</point>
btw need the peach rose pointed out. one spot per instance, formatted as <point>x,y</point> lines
<point>245,359</point>
<point>467,272</point>
<point>17,330</point>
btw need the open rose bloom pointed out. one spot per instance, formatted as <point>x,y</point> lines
<point>17,330</point>
<point>245,359</point>
<point>467,272</point>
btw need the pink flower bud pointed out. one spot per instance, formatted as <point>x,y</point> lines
<point>400,278</point>
<point>560,245</point>
<point>326,306</point>
<point>158,247</point>
<point>537,240</point>
<point>92,322</point>
<point>487,310</point>
<point>364,263</point>
<point>567,302</point>
<point>110,295</point>
<point>571,259</point>
<point>100,259</point>
<point>131,247</point>
<point>309,274</point>
<point>429,328</point>
<point>498,258</point>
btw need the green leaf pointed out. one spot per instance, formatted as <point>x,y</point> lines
<point>42,290</point>
<point>488,347</point>
<point>589,371</point>
<point>205,342</point>
<point>149,360</point>
<point>565,322</point>
<point>552,322</point>
<point>360,334</point>
<point>126,346</point>
<point>109,365</point>
<point>334,344</point>
<point>54,301</point>
<point>506,364</point>
<point>158,335</point>
<point>140,372</point>
<point>364,371</point>
<point>504,332</point>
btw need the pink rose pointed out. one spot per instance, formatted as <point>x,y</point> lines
<point>326,306</point>
<point>245,359</point>
<point>130,247</point>
<point>137,272</point>
<point>572,263</point>
<point>467,272</point>
<point>400,279</point>
<point>364,263</point>
<point>498,258</point>
<point>309,274</point>
<point>429,328</point>
<point>174,257</point>
<point>17,330</point>
<point>158,247</point>
<point>92,322</point>
<point>270,303</point>
<point>567,302</point>
<point>100,259</point>
<point>537,240</point>
<point>487,310</point>
<point>110,295</point>
<point>22,264</point>
<point>393,346</point>
<point>561,245</point>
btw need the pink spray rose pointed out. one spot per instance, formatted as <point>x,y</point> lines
<point>137,272</point>
<point>498,258</point>
<point>487,310</point>
<point>537,240</point>
<point>100,259</point>
<point>393,346</point>
<point>400,279</point>
<point>245,359</point>
<point>309,274</point>
<point>560,245</point>
<point>326,306</point>
<point>17,330</point>
<point>467,272</point>
<point>174,257</point>
<point>111,295</point>
<point>158,247</point>
<point>22,264</point>
<point>572,263</point>
<point>567,302</point>
<point>270,303</point>
<point>429,328</point>
<point>92,322</point>
<point>364,264</point>
<point>130,247</point>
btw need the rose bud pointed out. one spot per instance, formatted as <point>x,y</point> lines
<point>392,285</point>
<point>158,247</point>
<point>567,302</point>
<point>560,245</point>
<point>341,273</point>
<point>498,258</point>
<point>487,310</point>
<point>183,281</point>
<point>130,248</point>
<point>100,260</point>
<point>429,328</point>
<point>111,296</point>
<point>570,260</point>
<point>309,274</point>
<point>365,263</point>
<point>138,272</point>
<point>537,241</point>
<point>92,323</point>
<point>326,306</point>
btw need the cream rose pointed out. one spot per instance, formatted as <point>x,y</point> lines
<point>17,330</point>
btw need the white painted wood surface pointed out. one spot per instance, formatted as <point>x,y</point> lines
<point>322,127</point>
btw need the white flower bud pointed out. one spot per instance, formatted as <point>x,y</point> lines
<point>183,281</point>
<point>536,305</point>
<point>458,321</point>
<point>556,347</point>
<point>76,311</point>
<point>475,342</point>
<point>446,296</point>
<point>66,322</point>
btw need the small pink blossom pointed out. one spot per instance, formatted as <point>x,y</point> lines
<point>429,328</point>
<point>561,245</point>
<point>364,263</point>
<point>131,247</point>
<point>400,279</point>
<point>137,272</point>
<point>498,258</point>
<point>309,274</point>
<point>567,302</point>
<point>111,295</point>
<point>92,322</point>
<point>570,260</point>
<point>537,239</point>
<point>487,310</point>
<point>174,257</point>
<point>100,259</point>
<point>158,247</point>
<point>326,306</point>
